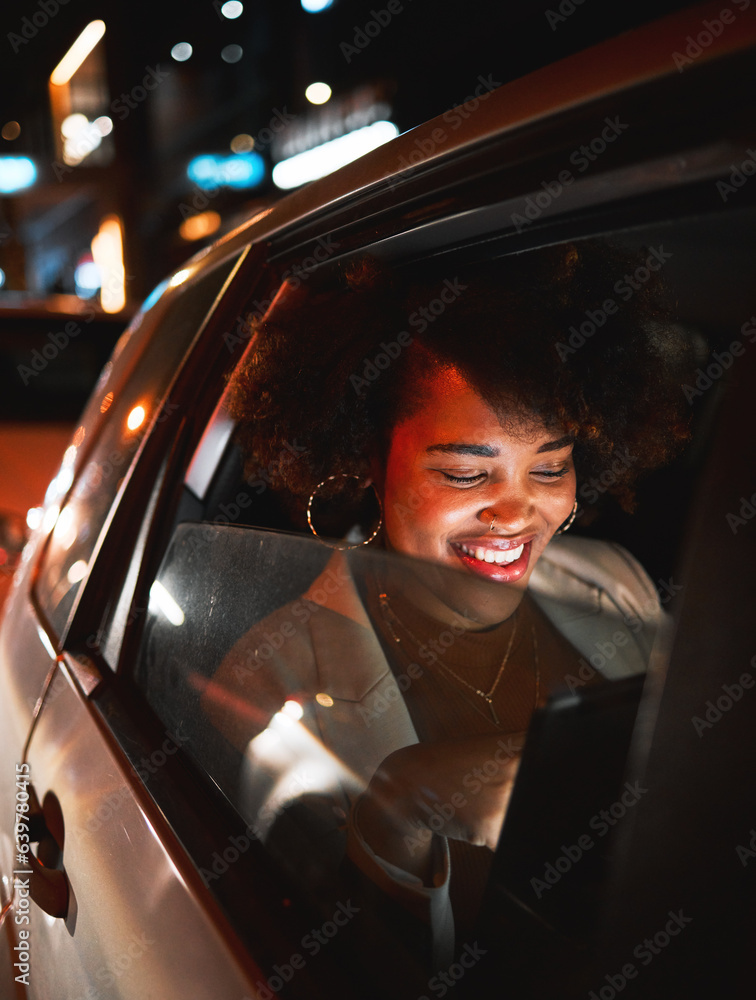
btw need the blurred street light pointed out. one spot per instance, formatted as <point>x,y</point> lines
<point>242,143</point>
<point>78,52</point>
<point>329,156</point>
<point>232,53</point>
<point>107,251</point>
<point>318,93</point>
<point>16,173</point>
<point>232,9</point>
<point>181,51</point>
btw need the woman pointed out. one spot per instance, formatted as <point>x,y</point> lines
<point>474,438</point>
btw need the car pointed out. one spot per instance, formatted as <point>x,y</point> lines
<point>133,869</point>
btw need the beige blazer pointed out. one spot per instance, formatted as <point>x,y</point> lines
<point>595,593</point>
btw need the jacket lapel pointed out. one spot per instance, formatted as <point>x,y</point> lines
<point>368,718</point>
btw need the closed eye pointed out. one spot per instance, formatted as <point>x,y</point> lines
<point>552,474</point>
<point>465,480</point>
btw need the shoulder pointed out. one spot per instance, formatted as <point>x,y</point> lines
<point>591,569</point>
<point>264,665</point>
<point>602,600</point>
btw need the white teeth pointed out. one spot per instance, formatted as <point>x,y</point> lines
<point>494,555</point>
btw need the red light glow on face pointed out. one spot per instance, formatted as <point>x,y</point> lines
<point>453,465</point>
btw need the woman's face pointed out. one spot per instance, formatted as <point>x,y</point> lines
<point>452,466</point>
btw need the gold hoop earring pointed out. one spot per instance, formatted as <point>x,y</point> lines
<point>335,545</point>
<point>564,527</point>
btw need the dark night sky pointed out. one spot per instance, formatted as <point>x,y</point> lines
<point>435,50</point>
<point>428,56</point>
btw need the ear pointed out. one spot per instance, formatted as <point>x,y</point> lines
<point>376,473</point>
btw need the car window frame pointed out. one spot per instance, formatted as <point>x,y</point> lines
<point>95,427</point>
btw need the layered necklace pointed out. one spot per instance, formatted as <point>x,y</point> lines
<point>391,618</point>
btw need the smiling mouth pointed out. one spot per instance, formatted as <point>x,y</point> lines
<point>499,556</point>
<point>494,562</point>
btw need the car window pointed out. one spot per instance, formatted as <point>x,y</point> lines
<point>80,497</point>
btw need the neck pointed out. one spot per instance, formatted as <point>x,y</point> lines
<point>451,597</point>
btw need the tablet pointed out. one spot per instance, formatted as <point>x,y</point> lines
<point>570,799</point>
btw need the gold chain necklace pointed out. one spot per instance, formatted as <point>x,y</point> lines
<point>487,696</point>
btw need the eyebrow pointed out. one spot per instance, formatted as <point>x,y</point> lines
<point>487,451</point>
<point>481,450</point>
<point>557,445</point>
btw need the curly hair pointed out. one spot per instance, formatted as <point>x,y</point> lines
<point>574,334</point>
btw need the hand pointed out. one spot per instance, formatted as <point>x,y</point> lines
<point>458,789</point>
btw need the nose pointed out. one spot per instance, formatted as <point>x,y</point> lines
<point>509,515</point>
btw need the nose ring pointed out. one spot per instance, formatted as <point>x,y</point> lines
<point>493,520</point>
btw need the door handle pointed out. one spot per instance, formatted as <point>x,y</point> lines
<point>48,884</point>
